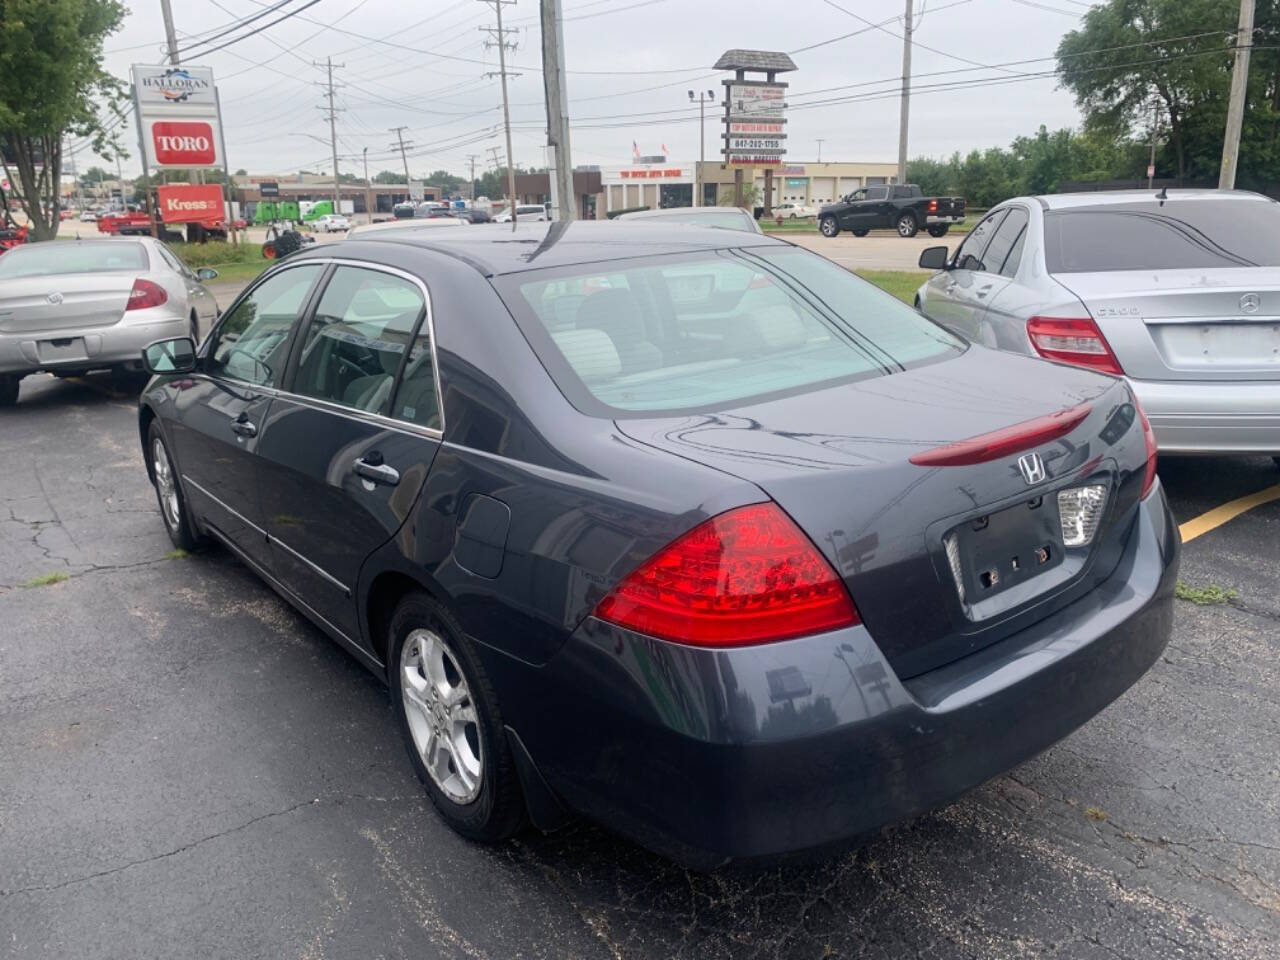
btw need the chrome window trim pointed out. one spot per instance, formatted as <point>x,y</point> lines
<point>329,405</point>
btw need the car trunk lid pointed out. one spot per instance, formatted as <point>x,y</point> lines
<point>51,303</point>
<point>1189,324</point>
<point>838,460</point>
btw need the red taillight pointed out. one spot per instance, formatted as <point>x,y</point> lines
<point>1149,437</point>
<point>1001,443</point>
<point>746,576</point>
<point>145,293</point>
<point>1075,341</point>
<point>933,206</point>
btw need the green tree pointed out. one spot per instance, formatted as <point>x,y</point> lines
<point>1130,55</point>
<point>446,181</point>
<point>94,175</point>
<point>53,85</point>
<point>388,176</point>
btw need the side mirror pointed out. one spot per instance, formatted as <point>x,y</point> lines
<point>206,274</point>
<point>934,258</point>
<point>170,356</point>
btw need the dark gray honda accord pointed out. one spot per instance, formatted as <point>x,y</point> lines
<point>688,531</point>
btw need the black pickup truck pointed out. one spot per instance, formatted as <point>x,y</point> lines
<point>901,207</point>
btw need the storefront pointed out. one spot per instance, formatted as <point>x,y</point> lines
<point>647,185</point>
<point>806,183</point>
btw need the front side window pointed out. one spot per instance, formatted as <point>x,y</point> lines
<point>1006,237</point>
<point>357,340</point>
<point>970,254</point>
<point>251,343</point>
<point>712,330</point>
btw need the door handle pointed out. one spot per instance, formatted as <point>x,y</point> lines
<point>243,426</point>
<point>372,468</point>
<point>982,291</point>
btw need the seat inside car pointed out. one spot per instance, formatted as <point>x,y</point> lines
<point>618,315</point>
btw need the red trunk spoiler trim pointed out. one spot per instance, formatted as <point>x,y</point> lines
<point>1001,443</point>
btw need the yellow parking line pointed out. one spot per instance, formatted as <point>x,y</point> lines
<point>1228,511</point>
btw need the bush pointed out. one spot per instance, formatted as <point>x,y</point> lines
<point>216,253</point>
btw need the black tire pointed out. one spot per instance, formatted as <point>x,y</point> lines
<point>497,810</point>
<point>179,526</point>
<point>906,225</point>
<point>828,226</point>
<point>939,229</point>
<point>9,390</point>
<point>860,233</point>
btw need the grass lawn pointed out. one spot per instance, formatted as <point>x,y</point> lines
<point>903,284</point>
<point>239,272</point>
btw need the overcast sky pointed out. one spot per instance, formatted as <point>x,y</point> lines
<point>422,63</point>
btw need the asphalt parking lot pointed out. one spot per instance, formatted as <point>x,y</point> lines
<point>189,769</point>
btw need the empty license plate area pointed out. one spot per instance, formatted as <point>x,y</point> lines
<point>992,553</point>
<point>62,348</point>
<point>1206,346</point>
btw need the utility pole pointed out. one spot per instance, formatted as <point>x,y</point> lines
<point>399,132</point>
<point>368,185</point>
<point>820,139</point>
<point>170,35</point>
<point>1235,106</point>
<point>333,132</point>
<point>1155,126</point>
<point>703,100</point>
<point>905,113</point>
<point>503,46</point>
<point>553,80</point>
<point>471,159</point>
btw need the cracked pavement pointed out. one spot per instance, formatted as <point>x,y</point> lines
<point>188,769</point>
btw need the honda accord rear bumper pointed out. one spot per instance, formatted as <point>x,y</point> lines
<point>714,755</point>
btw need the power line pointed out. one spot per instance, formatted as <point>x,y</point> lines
<point>204,40</point>
<point>265,26</point>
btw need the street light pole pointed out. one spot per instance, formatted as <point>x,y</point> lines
<point>703,100</point>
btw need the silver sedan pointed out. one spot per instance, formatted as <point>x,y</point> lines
<point>68,307</point>
<point>1177,291</point>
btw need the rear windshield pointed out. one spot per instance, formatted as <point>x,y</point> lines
<point>728,219</point>
<point>713,330</point>
<point>53,257</point>
<point>1178,234</point>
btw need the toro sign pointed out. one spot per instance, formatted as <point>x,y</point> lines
<point>184,144</point>
<point>190,203</point>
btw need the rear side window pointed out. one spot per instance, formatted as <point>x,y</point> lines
<point>103,256</point>
<point>1175,234</point>
<point>358,338</point>
<point>695,333</point>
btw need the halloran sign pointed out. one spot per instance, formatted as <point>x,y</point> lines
<point>178,116</point>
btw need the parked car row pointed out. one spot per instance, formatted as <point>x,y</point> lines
<point>1178,292</point>
<point>602,503</point>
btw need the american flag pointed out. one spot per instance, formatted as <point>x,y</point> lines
<point>635,150</point>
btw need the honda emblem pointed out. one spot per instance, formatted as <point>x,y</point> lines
<point>1032,468</point>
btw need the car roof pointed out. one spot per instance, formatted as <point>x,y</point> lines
<point>417,223</point>
<point>497,250</point>
<point>1064,201</point>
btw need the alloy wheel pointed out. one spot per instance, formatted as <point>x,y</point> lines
<point>166,485</point>
<point>441,715</point>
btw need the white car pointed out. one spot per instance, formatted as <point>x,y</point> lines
<point>88,216</point>
<point>794,211</point>
<point>524,211</point>
<point>332,223</point>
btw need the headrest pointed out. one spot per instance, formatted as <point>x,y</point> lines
<point>590,352</point>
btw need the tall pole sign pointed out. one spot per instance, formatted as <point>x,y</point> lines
<point>178,117</point>
<point>755,116</point>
